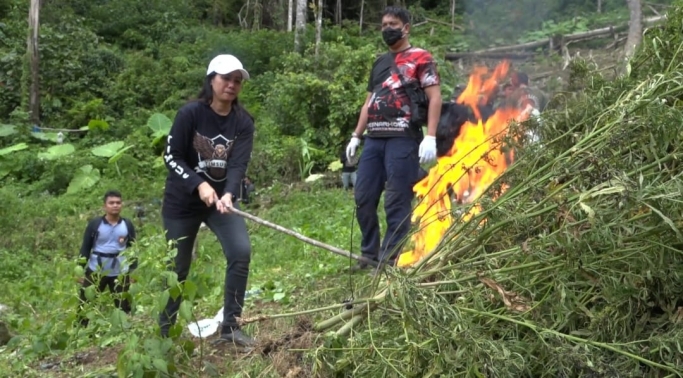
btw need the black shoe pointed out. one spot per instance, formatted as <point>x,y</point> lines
<point>360,266</point>
<point>238,338</point>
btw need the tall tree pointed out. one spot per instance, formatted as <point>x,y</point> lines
<point>290,10</point>
<point>300,25</point>
<point>318,25</point>
<point>34,59</point>
<point>360,23</point>
<point>635,29</point>
<point>338,13</point>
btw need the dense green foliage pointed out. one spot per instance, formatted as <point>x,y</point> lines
<point>115,71</point>
<point>121,61</point>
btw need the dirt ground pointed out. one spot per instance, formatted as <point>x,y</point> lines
<point>283,351</point>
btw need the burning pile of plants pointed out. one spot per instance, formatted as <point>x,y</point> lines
<point>567,261</point>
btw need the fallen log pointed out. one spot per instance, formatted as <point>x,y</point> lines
<point>521,46</point>
<point>303,238</point>
<point>552,40</point>
<point>491,55</point>
<point>594,33</point>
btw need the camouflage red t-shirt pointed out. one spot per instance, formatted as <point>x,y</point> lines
<point>389,107</point>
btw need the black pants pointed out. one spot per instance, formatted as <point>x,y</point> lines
<point>119,288</point>
<point>231,231</point>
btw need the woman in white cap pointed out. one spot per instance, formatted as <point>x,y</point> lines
<point>207,153</point>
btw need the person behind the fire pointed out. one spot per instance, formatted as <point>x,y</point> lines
<point>392,154</point>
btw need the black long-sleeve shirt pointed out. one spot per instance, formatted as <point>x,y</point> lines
<point>204,146</point>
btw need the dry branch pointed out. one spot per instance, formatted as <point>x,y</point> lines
<point>444,23</point>
<point>542,75</point>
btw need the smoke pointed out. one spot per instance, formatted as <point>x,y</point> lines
<point>496,22</point>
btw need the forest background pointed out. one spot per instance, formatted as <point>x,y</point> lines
<point>112,74</point>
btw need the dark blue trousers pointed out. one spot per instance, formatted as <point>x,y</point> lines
<point>388,165</point>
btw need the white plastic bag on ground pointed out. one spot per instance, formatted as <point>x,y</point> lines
<point>206,327</point>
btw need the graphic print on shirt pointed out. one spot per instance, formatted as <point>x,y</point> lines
<point>213,156</point>
<point>389,107</point>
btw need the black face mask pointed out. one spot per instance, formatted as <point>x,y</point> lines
<point>391,35</point>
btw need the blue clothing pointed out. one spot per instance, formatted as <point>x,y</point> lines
<point>110,242</point>
<point>102,244</point>
<point>390,165</point>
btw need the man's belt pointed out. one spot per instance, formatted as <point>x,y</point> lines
<point>114,256</point>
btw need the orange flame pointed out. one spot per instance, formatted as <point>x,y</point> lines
<point>474,162</point>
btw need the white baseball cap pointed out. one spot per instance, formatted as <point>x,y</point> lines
<point>225,64</point>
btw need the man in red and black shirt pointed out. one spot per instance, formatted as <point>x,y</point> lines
<point>394,145</point>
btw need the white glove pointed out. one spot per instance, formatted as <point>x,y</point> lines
<point>533,137</point>
<point>351,148</point>
<point>428,149</point>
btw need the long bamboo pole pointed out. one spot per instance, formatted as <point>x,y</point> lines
<point>303,238</point>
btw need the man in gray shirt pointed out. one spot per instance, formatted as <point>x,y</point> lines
<point>104,239</point>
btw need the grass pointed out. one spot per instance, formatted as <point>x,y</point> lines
<point>286,275</point>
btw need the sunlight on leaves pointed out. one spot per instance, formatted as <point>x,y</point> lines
<point>98,124</point>
<point>13,148</point>
<point>48,137</point>
<point>118,154</point>
<point>107,150</point>
<point>4,170</point>
<point>6,130</point>
<point>85,177</point>
<point>335,166</point>
<point>57,151</point>
<point>160,125</point>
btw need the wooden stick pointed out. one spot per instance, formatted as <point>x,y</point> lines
<point>303,238</point>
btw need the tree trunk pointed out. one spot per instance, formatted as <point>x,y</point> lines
<point>452,15</point>
<point>362,8</point>
<point>599,6</point>
<point>258,8</point>
<point>338,13</point>
<point>635,29</point>
<point>300,25</point>
<point>33,57</point>
<point>290,10</point>
<point>318,26</point>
